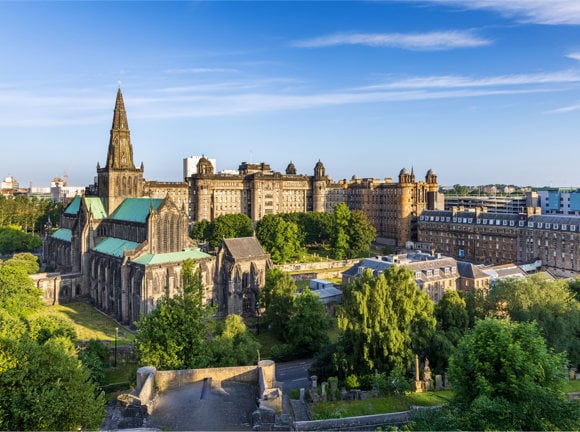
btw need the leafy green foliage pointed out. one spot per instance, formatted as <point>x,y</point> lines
<point>45,387</point>
<point>277,297</point>
<point>360,233</point>
<point>308,325</point>
<point>339,240</point>
<point>173,335</point>
<point>13,239</point>
<point>504,377</point>
<point>28,214</point>
<point>549,303</point>
<point>452,323</point>
<point>94,356</point>
<point>279,237</point>
<point>229,226</point>
<point>26,260</point>
<point>45,327</point>
<point>235,345</point>
<point>383,320</point>
<point>201,230</point>
<point>18,295</point>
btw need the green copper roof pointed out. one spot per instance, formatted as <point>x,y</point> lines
<point>171,257</point>
<point>136,209</point>
<point>114,246</point>
<point>62,234</point>
<point>74,206</point>
<point>95,206</point>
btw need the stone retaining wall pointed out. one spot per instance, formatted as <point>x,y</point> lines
<point>177,378</point>
<point>317,266</point>
<point>370,422</point>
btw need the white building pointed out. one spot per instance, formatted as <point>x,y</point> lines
<point>190,165</point>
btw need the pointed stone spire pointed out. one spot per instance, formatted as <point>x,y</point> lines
<point>120,153</point>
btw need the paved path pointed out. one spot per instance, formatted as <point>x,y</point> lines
<point>228,406</point>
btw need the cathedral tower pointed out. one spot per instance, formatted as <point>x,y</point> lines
<point>119,179</point>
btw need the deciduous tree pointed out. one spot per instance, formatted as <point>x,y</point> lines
<point>279,237</point>
<point>384,320</point>
<point>173,335</point>
<point>277,297</point>
<point>308,325</point>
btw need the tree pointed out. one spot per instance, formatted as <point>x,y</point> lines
<point>200,230</point>
<point>173,335</point>
<point>279,237</point>
<point>18,295</point>
<point>360,233</point>
<point>13,239</point>
<point>45,387</point>
<point>277,297</point>
<point>384,320</point>
<point>229,226</point>
<point>549,303</point>
<point>505,378</point>
<point>452,323</point>
<point>339,241</point>
<point>235,345</point>
<point>26,260</point>
<point>308,325</point>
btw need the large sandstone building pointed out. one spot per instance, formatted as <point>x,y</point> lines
<point>124,247</point>
<point>256,190</point>
<point>547,242</point>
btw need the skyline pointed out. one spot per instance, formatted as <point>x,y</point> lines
<point>481,92</point>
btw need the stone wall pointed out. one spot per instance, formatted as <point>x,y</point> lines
<point>316,267</point>
<point>366,423</point>
<point>177,378</point>
<point>58,288</point>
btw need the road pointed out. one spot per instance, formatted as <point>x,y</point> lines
<point>293,374</point>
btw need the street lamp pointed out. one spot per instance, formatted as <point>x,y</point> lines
<point>116,336</point>
<point>258,315</point>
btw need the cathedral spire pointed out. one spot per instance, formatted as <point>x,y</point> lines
<point>120,153</point>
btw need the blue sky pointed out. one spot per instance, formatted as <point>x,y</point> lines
<point>481,91</point>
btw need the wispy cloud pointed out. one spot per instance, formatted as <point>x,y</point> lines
<point>565,109</point>
<point>549,12</point>
<point>432,41</point>
<point>455,81</point>
<point>29,109</point>
<point>574,56</point>
<point>201,70</point>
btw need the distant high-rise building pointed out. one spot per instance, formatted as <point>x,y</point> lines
<point>190,165</point>
<point>563,201</point>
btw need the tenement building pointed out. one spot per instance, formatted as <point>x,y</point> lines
<point>492,238</point>
<point>256,190</point>
<point>434,274</point>
<point>125,247</point>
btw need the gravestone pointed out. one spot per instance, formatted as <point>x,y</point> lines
<point>323,393</point>
<point>438,382</point>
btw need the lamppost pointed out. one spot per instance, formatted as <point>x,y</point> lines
<point>258,315</point>
<point>116,336</point>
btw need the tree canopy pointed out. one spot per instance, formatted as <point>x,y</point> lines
<point>505,378</point>
<point>279,237</point>
<point>277,298</point>
<point>550,303</point>
<point>173,335</point>
<point>228,226</point>
<point>18,295</point>
<point>384,321</point>
<point>308,324</point>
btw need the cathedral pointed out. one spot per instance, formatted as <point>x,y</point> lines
<point>123,247</point>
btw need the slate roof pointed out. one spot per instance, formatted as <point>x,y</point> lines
<point>171,257</point>
<point>62,234</point>
<point>244,247</point>
<point>136,209</point>
<point>114,246</point>
<point>469,270</point>
<point>95,206</point>
<point>327,295</point>
<point>74,206</point>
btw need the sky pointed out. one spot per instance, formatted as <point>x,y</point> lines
<point>480,91</point>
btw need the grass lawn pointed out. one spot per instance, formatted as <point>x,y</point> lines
<point>572,386</point>
<point>89,323</point>
<point>388,404</point>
